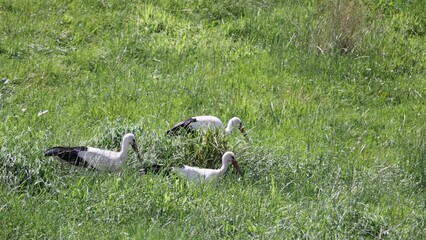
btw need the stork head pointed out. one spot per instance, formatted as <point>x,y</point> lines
<point>236,122</point>
<point>129,138</point>
<point>229,157</point>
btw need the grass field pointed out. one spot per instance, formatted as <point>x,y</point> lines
<point>332,94</point>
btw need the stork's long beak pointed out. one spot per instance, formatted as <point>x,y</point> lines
<point>135,148</point>
<point>237,166</point>
<point>243,131</point>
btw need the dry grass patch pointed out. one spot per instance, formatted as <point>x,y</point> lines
<point>340,26</point>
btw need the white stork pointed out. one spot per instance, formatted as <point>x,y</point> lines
<point>205,122</point>
<point>96,158</point>
<point>202,174</point>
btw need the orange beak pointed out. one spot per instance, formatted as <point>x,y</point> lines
<point>237,167</point>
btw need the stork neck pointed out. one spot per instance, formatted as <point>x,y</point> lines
<point>224,168</point>
<point>229,127</point>
<point>124,149</point>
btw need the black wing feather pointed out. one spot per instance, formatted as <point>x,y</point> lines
<point>184,125</point>
<point>156,168</point>
<point>68,154</point>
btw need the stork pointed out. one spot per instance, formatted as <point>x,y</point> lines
<point>100,159</point>
<point>202,174</point>
<point>204,122</point>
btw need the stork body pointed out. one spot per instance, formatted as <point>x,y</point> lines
<point>100,159</point>
<point>203,123</point>
<point>203,174</point>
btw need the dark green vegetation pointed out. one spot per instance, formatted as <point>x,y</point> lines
<point>332,93</point>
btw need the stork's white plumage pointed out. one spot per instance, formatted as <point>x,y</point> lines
<point>94,157</point>
<point>202,174</point>
<point>205,122</point>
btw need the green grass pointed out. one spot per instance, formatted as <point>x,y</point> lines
<point>337,137</point>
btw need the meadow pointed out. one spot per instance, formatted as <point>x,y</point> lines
<point>331,93</point>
